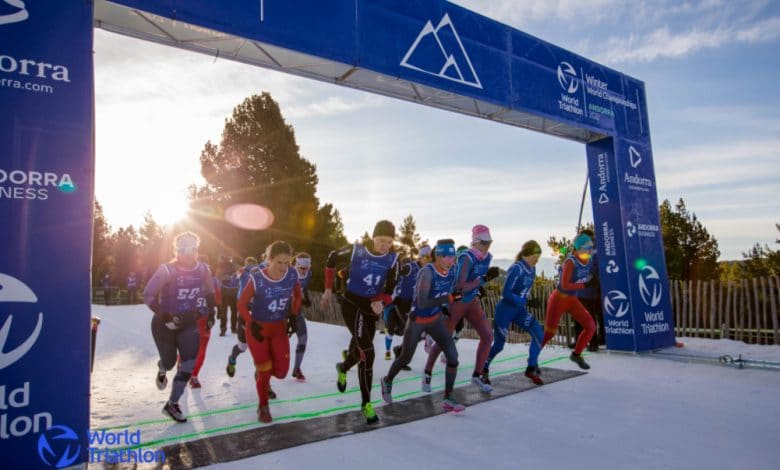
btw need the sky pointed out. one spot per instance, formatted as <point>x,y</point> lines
<point>710,70</point>
<point>634,411</point>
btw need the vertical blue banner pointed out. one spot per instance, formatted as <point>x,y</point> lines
<point>46,192</point>
<point>632,269</point>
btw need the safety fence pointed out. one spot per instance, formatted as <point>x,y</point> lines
<point>743,310</point>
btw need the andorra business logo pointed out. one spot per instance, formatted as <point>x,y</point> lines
<point>567,77</point>
<point>18,16</point>
<point>616,303</point>
<point>14,292</point>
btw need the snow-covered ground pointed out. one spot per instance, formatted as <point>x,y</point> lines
<point>629,411</point>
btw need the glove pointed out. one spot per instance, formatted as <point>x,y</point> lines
<point>492,273</point>
<point>445,311</point>
<point>481,292</point>
<point>156,307</point>
<point>457,295</point>
<point>533,303</point>
<point>292,325</point>
<point>306,302</point>
<point>211,320</point>
<point>174,322</point>
<point>255,328</point>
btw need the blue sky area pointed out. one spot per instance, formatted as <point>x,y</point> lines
<point>711,75</point>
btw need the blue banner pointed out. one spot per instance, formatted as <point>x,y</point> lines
<point>632,268</point>
<point>46,193</point>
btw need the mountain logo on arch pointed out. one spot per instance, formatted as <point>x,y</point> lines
<point>18,16</point>
<point>439,51</point>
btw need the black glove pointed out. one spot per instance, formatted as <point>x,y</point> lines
<point>481,292</point>
<point>306,302</point>
<point>174,321</point>
<point>533,303</point>
<point>156,307</point>
<point>457,295</point>
<point>445,311</point>
<point>255,328</point>
<point>210,321</point>
<point>492,273</point>
<point>292,325</point>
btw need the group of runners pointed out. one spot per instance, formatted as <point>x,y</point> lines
<point>419,299</point>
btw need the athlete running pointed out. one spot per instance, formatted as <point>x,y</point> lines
<point>397,312</point>
<point>178,292</point>
<point>275,294</point>
<point>434,284</point>
<point>512,309</point>
<point>574,273</point>
<point>373,270</point>
<point>297,324</point>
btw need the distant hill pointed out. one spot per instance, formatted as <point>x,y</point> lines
<point>546,265</point>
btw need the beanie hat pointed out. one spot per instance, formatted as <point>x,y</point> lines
<point>530,248</point>
<point>384,228</point>
<point>581,240</point>
<point>480,233</point>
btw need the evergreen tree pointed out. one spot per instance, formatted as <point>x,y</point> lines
<point>761,260</point>
<point>258,162</point>
<point>691,252</point>
<point>408,239</point>
<point>155,247</point>
<point>126,254</point>
<point>101,245</point>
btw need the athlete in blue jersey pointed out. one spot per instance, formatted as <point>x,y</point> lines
<point>512,309</point>
<point>177,293</point>
<point>574,273</point>
<point>373,270</point>
<point>397,312</point>
<point>434,284</point>
<point>297,324</point>
<point>271,295</point>
<point>473,271</point>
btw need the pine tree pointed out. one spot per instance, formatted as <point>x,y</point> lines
<point>101,245</point>
<point>761,261</point>
<point>408,239</point>
<point>691,252</point>
<point>258,162</point>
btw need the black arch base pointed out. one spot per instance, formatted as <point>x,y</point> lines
<point>244,444</point>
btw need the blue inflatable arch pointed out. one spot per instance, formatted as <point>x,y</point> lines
<point>430,52</point>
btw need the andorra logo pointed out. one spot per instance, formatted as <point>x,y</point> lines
<point>634,157</point>
<point>16,17</point>
<point>567,77</point>
<point>439,51</point>
<point>13,290</point>
<point>616,303</point>
<point>650,287</point>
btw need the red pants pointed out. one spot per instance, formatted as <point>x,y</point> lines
<point>557,305</point>
<point>473,312</point>
<point>205,335</point>
<point>271,355</point>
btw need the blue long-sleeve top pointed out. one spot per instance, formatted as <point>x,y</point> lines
<point>519,281</point>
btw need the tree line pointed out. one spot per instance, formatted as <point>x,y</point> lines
<point>258,161</point>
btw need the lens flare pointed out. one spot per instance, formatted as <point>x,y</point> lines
<point>249,216</point>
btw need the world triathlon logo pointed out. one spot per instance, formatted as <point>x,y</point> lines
<point>439,51</point>
<point>616,304</point>
<point>567,78</point>
<point>14,291</point>
<point>59,446</point>
<point>650,287</point>
<point>18,16</point>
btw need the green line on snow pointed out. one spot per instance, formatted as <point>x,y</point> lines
<point>314,414</point>
<point>150,422</point>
